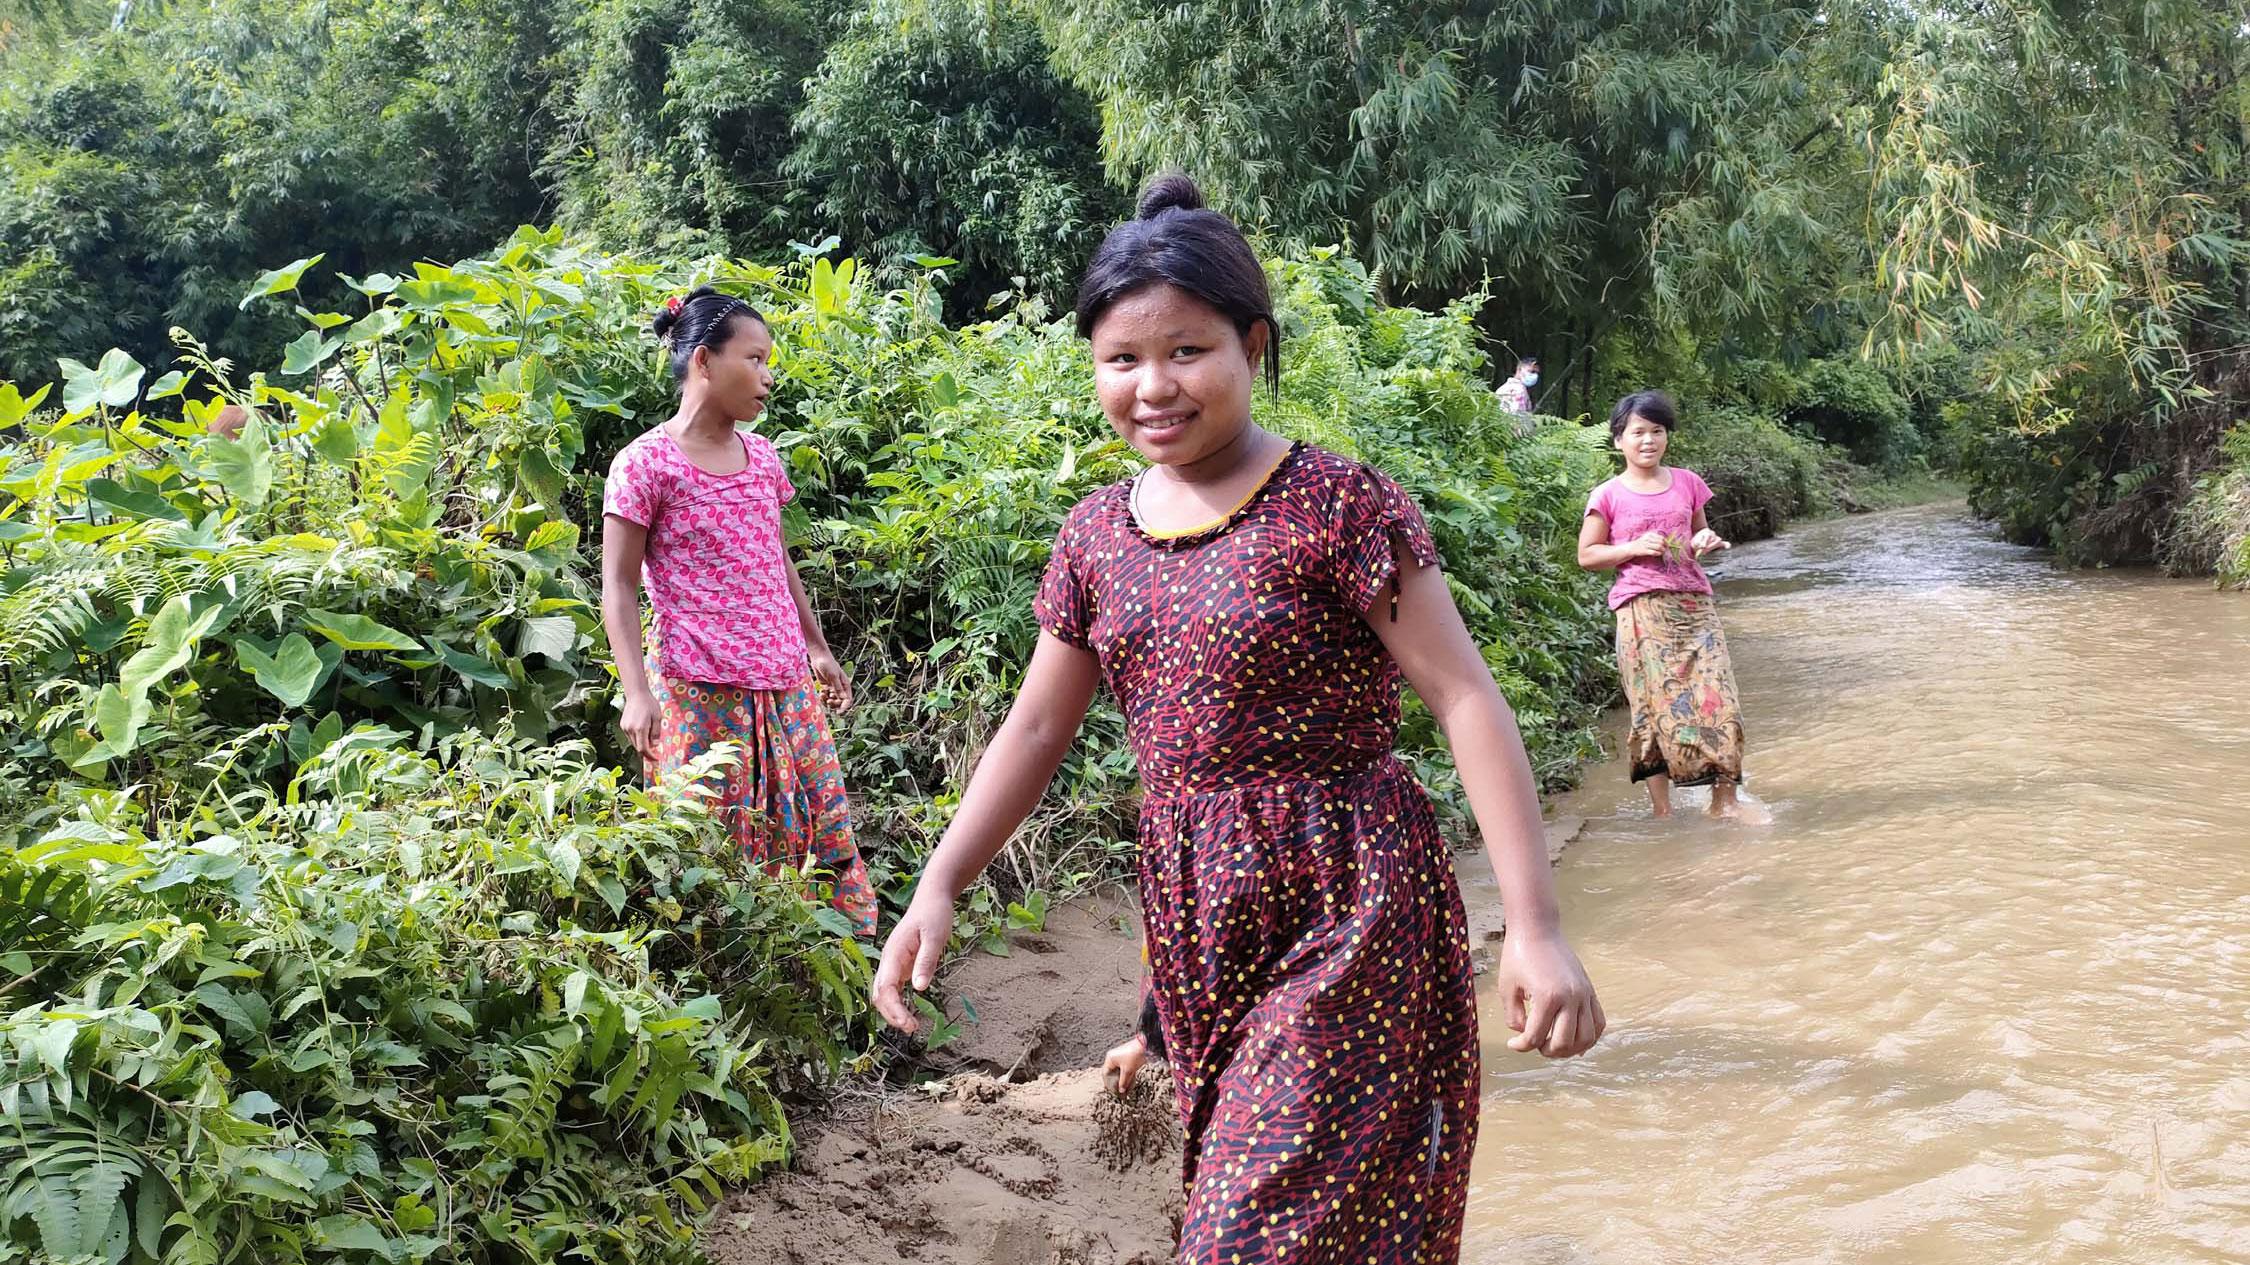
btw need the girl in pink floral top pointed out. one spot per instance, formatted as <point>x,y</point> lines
<point>692,513</point>
<point>1648,526</point>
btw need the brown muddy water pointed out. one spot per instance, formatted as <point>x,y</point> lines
<point>1981,992</point>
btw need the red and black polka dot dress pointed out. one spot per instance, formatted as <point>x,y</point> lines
<point>1306,941</point>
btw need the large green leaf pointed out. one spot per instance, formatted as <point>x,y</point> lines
<point>115,383</point>
<point>356,1234</point>
<point>435,292</point>
<point>132,502</point>
<point>471,667</point>
<point>546,484</point>
<point>118,717</point>
<point>376,284</point>
<point>244,466</point>
<point>15,405</point>
<point>337,439</point>
<point>380,323</point>
<point>171,641</point>
<point>279,281</point>
<point>308,351</point>
<point>290,673</point>
<point>549,635</point>
<point>354,631</point>
<point>393,427</point>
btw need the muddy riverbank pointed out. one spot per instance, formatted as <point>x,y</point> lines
<point>1019,1157</point>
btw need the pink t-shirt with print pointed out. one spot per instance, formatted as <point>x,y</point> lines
<point>1632,515</point>
<point>716,571</point>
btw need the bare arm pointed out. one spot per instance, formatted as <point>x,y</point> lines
<point>1705,543</point>
<point>1550,1001</point>
<point>825,668</point>
<point>1595,553</point>
<point>624,544</point>
<point>807,618</point>
<point>1009,779</point>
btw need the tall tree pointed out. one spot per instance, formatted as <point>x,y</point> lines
<point>149,172</point>
<point>937,127</point>
<point>1587,160</point>
<point>680,120</point>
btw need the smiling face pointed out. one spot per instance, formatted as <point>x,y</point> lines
<point>1174,375</point>
<point>1643,442</point>
<point>733,372</point>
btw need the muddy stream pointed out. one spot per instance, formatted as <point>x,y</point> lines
<point>1981,993</point>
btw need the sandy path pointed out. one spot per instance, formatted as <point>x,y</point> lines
<point>1018,1157</point>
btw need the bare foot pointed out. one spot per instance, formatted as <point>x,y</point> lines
<point>1659,796</point>
<point>1742,813</point>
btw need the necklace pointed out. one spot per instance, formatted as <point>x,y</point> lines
<point>1140,520</point>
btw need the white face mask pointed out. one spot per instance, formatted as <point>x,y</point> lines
<point>1531,379</point>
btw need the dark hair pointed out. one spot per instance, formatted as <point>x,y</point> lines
<point>1176,242</point>
<point>1653,405</point>
<point>705,318</point>
<point>1521,361</point>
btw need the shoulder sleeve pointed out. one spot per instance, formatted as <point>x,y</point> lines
<point>1065,606</point>
<point>1374,517</point>
<point>763,450</point>
<point>1599,503</point>
<point>1699,492</point>
<point>633,490</point>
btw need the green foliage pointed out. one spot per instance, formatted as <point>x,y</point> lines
<point>1850,403</point>
<point>680,119</point>
<point>1761,473</point>
<point>2213,535</point>
<point>494,1004</point>
<point>935,128</point>
<point>147,172</point>
<point>387,541</point>
<point>333,928</point>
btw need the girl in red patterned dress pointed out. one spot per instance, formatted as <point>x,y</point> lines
<point>1253,604</point>
<point>692,509</point>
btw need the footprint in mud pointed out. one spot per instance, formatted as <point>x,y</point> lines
<point>1019,1164</point>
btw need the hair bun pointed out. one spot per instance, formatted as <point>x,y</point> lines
<point>665,321</point>
<point>1171,191</point>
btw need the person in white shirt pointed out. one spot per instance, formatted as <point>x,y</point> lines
<point>1515,393</point>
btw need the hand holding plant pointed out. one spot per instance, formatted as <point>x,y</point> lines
<point>830,682</point>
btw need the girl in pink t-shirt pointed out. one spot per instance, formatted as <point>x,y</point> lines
<point>1648,525</point>
<point>692,513</point>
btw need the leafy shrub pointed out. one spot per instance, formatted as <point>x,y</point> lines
<point>395,539</point>
<point>1761,474</point>
<point>2211,535</point>
<point>1850,403</point>
<point>335,930</point>
<point>493,1004</point>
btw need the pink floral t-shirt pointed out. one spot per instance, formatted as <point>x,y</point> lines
<point>716,571</point>
<point>1632,515</point>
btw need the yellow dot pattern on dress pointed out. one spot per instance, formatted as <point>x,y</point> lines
<point>1306,943</point>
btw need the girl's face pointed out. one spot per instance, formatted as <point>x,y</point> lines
<point>1643,442</point>
<point>733,372</point>
<point>1174,375</point>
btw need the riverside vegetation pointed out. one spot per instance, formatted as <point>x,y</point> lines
<point>333,927</point>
